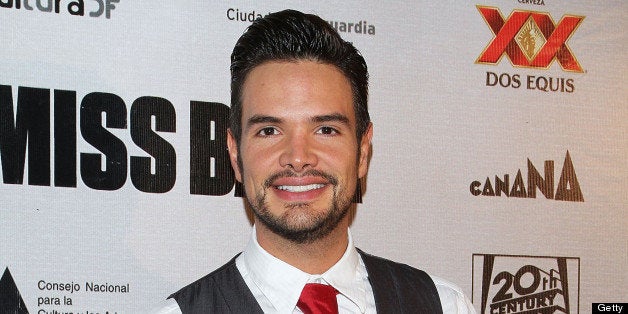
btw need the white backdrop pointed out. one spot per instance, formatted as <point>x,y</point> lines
<point>439,125</point>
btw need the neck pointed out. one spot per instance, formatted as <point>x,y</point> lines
<point>312,257</point>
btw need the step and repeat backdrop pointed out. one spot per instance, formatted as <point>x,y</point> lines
<point>498,161</point>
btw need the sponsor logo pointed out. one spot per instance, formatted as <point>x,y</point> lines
<point>530,39</point>
<point>504,284</point>
<point>568,187</point>
<point>531,82</point>
<point>99,8</point>
<point>354,27</point>
<point>10,298</point>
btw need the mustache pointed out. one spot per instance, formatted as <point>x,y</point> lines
<point>291,174</point>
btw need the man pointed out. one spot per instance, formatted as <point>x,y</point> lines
<point>299,141</point>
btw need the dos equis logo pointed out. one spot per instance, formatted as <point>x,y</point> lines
<point>530,39</point>
<point>504,284</point>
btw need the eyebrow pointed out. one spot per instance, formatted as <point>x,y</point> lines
<point>334,117</point>
<point>257,119</point>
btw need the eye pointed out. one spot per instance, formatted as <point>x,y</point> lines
<point>268,131</point>
<point>327,130</point>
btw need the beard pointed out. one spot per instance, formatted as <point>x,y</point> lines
<point>300,223</point>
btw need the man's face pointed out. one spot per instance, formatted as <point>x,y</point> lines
<point>300,157</point>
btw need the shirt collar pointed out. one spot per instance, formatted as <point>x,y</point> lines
<point>282,283</point>
<point>348,276</point>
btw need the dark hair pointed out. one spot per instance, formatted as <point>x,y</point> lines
<point>289,36</point>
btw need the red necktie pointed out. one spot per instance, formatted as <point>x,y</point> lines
<point>317,298</point>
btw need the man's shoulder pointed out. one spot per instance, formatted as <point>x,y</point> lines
<point>407,281</point>
<point>221,291</point>
<point>210,281</point>
<point>452,298</point>
<point>376,263</point>
<point>398,285</point>
<point>187,297</point>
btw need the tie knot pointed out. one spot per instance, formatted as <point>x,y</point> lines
<point>318,298</point>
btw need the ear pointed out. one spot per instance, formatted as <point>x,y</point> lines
<point>365,148</point>
<point>232,146</point>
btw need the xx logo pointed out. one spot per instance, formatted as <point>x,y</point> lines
<point>530,39</point>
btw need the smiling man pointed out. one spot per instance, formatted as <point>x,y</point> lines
<point>299,141</point>
<point>298,157</point>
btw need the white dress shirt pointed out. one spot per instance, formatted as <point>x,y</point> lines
<point>277,285</point>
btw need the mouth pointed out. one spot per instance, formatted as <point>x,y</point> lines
<point>299,192</point>
<point>300,188</point>
<point>306,187</point>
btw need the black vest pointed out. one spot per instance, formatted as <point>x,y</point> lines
<point>398,288</point>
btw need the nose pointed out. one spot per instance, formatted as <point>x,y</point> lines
<point>298,153</point>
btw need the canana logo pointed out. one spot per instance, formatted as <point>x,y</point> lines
<point>505,284</point>
<point>568,187</point>
<point>530,39</point>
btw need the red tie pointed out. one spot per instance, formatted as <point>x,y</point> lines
<point>317,298</point>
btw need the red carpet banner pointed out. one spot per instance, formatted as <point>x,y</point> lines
<point>498,158</point>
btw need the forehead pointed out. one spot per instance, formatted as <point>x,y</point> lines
<point>295,88</point>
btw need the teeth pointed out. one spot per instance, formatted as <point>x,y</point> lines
<point>300,188</point>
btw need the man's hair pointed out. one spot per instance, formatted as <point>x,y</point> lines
<point>291,36</point>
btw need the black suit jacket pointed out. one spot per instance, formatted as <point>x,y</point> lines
<point>398,288</point>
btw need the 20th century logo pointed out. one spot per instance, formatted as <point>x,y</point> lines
<point>526,284</point>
